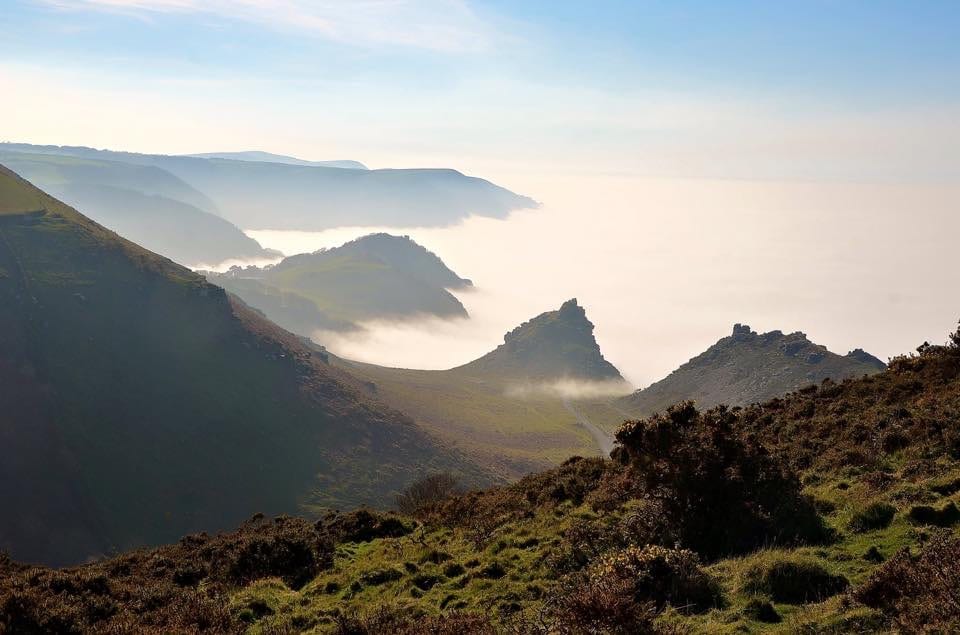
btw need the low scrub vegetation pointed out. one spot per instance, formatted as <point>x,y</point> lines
<point>792,515</point>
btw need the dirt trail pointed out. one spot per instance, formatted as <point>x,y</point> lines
<point>604,440</point>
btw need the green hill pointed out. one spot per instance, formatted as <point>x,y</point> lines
<point>374,277</point>
<point>146,204</point>
<point>830,510</point>
<point>554,345</point>
<point>512,409</point>
<point>745,368</point>
<point>271,195</point>
<point>138,402</point>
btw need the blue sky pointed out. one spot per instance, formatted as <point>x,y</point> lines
<point>793,90</point>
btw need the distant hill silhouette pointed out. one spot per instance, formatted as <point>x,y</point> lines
<point>138,402</point>
<point>374,277</point>
<point>146,204</point>
<point>269,157</point>
<point>746,367</point>
<point>272,195</point>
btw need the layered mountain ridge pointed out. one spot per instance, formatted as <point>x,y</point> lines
<point>142,402</point>
<point>256,194</point>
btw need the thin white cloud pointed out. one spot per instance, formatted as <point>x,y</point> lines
<point>441,25</point>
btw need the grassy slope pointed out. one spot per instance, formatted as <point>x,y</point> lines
<point>159,405</point>
<point>919,469</point>
<point>351,287</point>
<point>506,554</point>
<point>486,407</point>
<point>512,434</point>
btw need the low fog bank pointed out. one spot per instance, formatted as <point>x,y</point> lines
<point>221,267</point>
<point>664,268</point>
<point>572,389</point>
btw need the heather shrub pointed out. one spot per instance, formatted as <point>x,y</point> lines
<point>625,590</point>
<point>386,619</point>
<point>918,593</point>
<point>363,525</point>
<point>432,488</point>
<point>720,492</point>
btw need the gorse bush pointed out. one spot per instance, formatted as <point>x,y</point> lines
<point>625,590</point>
<point>721,493</point>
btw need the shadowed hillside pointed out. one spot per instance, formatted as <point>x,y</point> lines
<point>139,402</point>
<point>145,204</point>
<point>271,195</point>
<point>746,368</point>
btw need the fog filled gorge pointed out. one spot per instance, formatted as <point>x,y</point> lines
<point>665,267</point>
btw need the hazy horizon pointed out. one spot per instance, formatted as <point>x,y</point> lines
<point>792,167</point>
<point>831,260</point>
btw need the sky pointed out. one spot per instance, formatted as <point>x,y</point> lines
<point>792,165</point>
<point>820,89</point>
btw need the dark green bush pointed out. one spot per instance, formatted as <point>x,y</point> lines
<point>946,516</point>
<point>762,611</point>
<point>380,576</point>
<point>793,581</point>
<point>453,570</point>
<point>876,515</point>
<point>425,581</point>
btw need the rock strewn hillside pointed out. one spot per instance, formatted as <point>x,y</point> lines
<point>747,367</point>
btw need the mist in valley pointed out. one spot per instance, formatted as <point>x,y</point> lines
<point>665,267</point>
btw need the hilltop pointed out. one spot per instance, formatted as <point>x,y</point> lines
<point>374,277</point>
<point>512,409</point>
<point>141,402</point>
<point>554,345</point>
<point>746,367</point>
<point>832,509</point>
<point>272,195</point>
